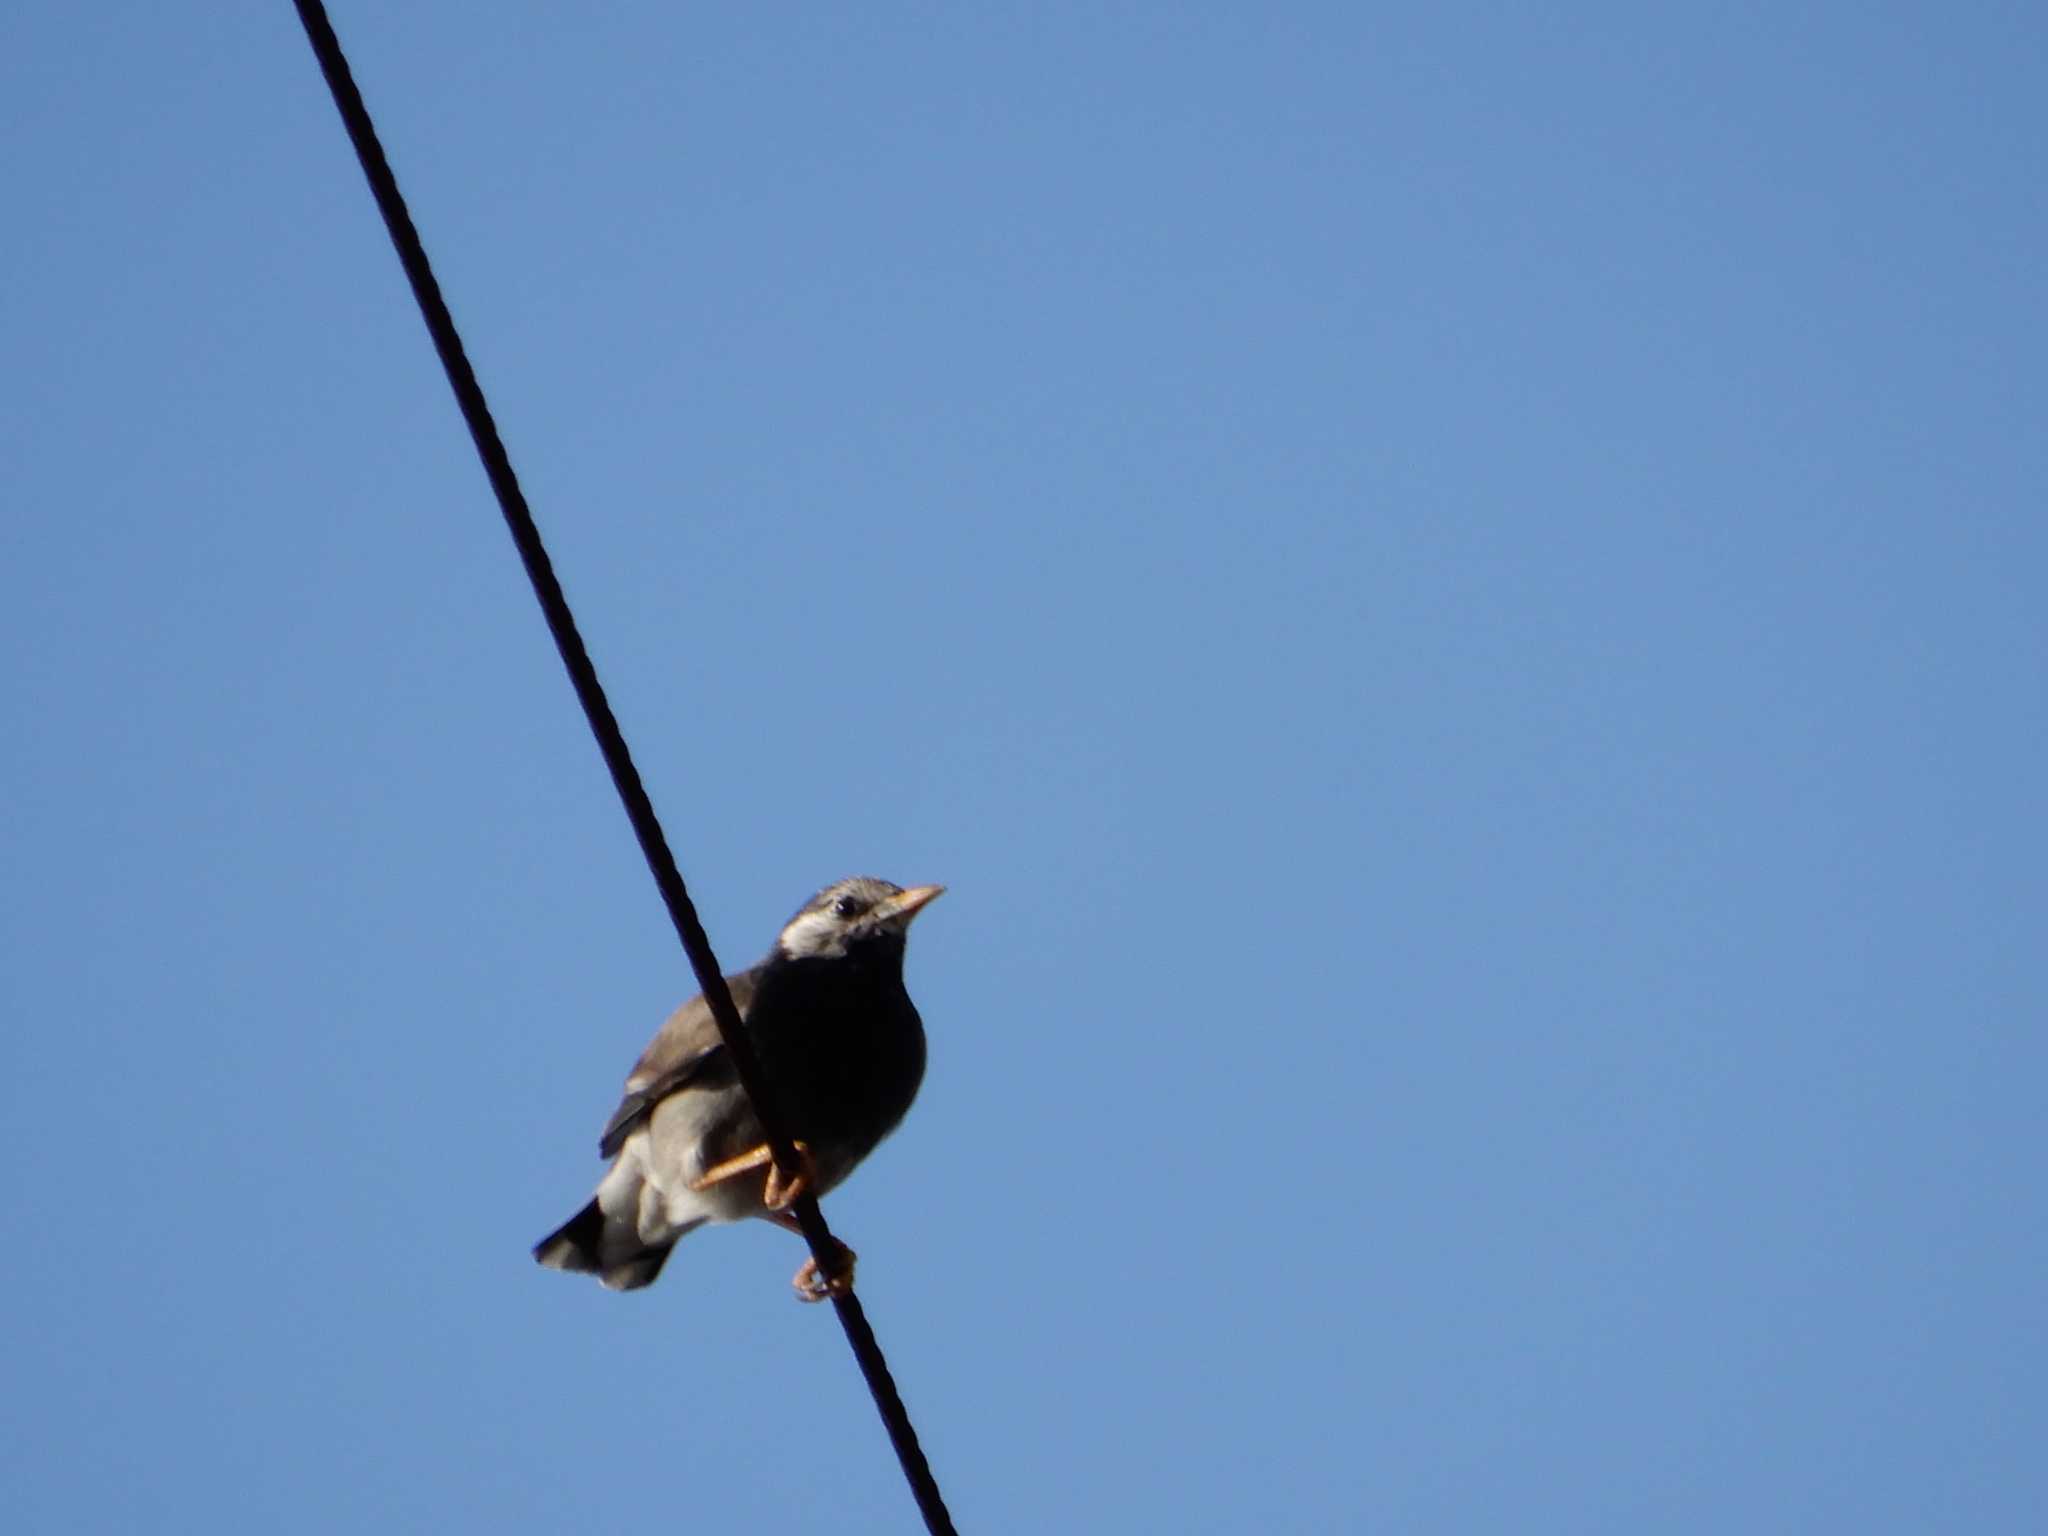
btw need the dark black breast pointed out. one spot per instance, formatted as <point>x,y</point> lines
<point>843,1045</point>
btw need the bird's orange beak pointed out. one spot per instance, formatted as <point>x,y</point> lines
<point>907,904</point>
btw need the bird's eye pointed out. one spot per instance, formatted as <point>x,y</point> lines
<point>845,906</point>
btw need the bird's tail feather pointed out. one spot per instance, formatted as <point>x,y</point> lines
<point>590,1243</point>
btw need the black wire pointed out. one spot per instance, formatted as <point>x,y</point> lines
<point>562,624</point>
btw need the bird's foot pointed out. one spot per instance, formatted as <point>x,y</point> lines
<point>778,1193</point>
<point>814,1284</point>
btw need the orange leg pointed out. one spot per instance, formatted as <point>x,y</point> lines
<point>775,1194</point>
<point>810,1282</point>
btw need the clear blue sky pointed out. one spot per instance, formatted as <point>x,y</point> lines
<point>1457,593</point>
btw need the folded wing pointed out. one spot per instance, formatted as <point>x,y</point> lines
<point>685,1050</point>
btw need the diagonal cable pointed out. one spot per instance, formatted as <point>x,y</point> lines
<point>590,693</point>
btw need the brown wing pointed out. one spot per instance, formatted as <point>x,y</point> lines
<point>684,1050</point>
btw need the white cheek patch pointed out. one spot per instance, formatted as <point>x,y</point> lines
<point>814,933</point>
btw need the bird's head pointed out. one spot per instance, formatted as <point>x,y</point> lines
<point>844,917</point>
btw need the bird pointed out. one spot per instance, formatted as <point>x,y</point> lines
<point>841,1043</point>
